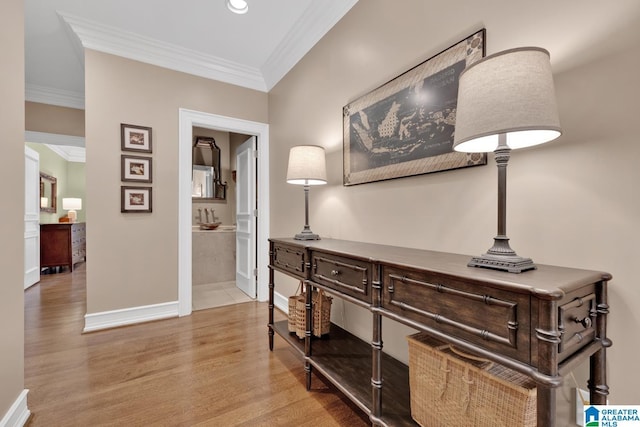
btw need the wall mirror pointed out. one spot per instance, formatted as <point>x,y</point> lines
<point>206,181</point>
<point>48,193</point>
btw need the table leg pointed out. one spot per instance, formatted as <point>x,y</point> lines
<point>271,307</point>
<point>546,406</point>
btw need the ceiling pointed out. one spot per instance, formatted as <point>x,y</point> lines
<point>200,37</point>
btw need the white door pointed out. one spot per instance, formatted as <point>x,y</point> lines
<point>31,217</point>
<point>245,217</point>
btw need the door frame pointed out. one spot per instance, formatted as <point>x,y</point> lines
<point>187,120</point>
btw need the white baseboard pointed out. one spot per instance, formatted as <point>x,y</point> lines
<point>18,413</point>
<point>281,302</point>
<point>129,316</point>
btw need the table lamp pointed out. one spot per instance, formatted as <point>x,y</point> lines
<point>506,101</point>
<point>72,205</point>
<point>307,166</point>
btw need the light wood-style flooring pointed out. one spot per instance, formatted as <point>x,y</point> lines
<point>212,368</point>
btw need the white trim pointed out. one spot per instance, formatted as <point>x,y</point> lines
<point>127,44</point>
<point>315,22</point>
<point>281,302</point>
<point>54,138</point>
<point>18,413</point>
<point>70,154</point>
<point>129,316</point>
<point>53,96</point>
<point>187,120</point>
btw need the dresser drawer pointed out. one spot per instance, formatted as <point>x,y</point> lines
<point>576,323</point>
<point>348,276</point>
<point>489,317</point>
<point>289,259</point>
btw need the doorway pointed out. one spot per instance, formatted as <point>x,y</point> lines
<point>223,247</point>
<point>187,120</point>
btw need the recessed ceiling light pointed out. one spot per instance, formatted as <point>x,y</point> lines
<point>238,6</point>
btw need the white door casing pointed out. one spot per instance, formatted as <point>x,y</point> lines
<point>245,217</point>
<point>31,217</point>
<point>187,119</point>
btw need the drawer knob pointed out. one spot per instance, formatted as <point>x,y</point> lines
<point>334,273</point>
<point>586,322</point>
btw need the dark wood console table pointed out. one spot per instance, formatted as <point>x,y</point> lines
<point>542,323</point>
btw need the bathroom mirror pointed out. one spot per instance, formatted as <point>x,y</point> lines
<point>206,180</point>
<point>48,193</point>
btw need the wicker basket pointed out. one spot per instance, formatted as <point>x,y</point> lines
<point>321,305</point>
<point>321,313</point>
<point>449,388</point>
<point>293,310</point>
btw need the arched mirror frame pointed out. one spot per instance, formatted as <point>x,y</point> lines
<point>52,183</point>
<point>201,147</point>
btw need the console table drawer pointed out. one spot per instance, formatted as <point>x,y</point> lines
<point>488,317</point>
<point>289,259</point>
<point>345,275</point>
<point>576,323</point>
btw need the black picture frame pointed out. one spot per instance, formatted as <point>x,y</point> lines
<point>136,138</point>
<point>136,199</point>
<point>136,169</point>
<point>406,127</point>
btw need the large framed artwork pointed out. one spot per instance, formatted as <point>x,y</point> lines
<point>406,126</point>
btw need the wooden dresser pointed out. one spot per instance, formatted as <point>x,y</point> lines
<point>542,323</point>
<point>62,244</point>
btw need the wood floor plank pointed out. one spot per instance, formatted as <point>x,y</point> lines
<point>212,368</point>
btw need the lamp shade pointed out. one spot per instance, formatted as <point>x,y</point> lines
<point>71,203</point>
<point>307,165</point>
<point>510,92</point>
<point>238,6</point>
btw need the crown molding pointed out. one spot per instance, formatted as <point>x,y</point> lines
<point>315,22</point>
<point>70,154</point>
<point>59,97</point>
<point>70,148</point>
<point>103,38</point>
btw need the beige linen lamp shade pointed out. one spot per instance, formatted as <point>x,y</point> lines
<point>307,165</point>
<point>510,92</point>
<point>506,101</point>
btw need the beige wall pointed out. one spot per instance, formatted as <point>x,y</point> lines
<point>12,214</point>
<point>135,256</point>
<point>572,202</point>
<point>53,119</point>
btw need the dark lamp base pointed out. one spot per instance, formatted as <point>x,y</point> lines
<point>502,257</point>
<point>307,235</point>
<point>511,264</point>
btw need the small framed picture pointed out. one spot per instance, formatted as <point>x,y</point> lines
<point>135,199</point>
<point>135,138</point>
<point>136,169</point>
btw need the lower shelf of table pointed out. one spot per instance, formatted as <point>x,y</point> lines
<point>346,361</point>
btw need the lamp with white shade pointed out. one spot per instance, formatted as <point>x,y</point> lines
<point>72,204</point>
<point>307,166</point>
<point>506,101</point>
